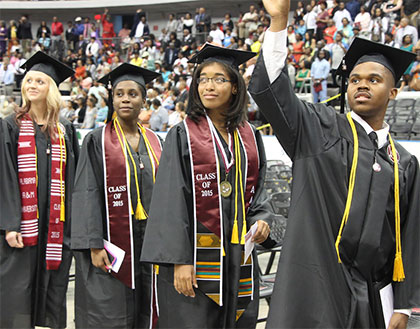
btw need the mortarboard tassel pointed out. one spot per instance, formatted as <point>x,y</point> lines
<point>140,212</point>
<point>235,239</point>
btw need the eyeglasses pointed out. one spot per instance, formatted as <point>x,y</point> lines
<point>216,80</point>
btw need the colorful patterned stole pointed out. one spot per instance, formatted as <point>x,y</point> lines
<point>208,213</point>
<point>116,156</point>
<point>28,182</point>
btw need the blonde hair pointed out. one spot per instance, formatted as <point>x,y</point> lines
<point>53,102</point>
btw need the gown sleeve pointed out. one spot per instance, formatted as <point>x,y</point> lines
<point>10,213</point>
<point>303,129</point>
<point>407,292</point>
<point>260,208</point>
<point>168,237</point>
<point>87,216</point>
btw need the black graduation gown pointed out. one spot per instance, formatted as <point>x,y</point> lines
<point>102,301</point>
<point>29,294</point>
<point>169,240</point>
<point>312,289</point>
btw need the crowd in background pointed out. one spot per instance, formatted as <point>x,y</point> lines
<point>318,37</point>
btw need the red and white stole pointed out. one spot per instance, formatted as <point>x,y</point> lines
<point>28,181</point>
<point>207,203</point>
<point>117,193</point>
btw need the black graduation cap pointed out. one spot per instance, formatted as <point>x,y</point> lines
<point>363,50</point>
<point>41,62</point>
<point>231,57</point>
<point>126,72</point>
<point>129,72</point>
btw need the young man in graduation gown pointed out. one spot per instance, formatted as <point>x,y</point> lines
<point>35,255</point>
<point>351,253</point>
<point>113,189</point>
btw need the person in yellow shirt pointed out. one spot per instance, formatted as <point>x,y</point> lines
<point>136,60</point>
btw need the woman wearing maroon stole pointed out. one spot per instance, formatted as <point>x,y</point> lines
<point>37,166</point>
<point>208,194</point>
<point>113,188</point>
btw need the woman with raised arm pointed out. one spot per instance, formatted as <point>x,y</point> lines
<point>37,166</point>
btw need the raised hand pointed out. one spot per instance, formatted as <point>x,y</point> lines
<point>279,12</point>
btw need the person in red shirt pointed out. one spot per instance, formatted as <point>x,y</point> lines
<point>56,35</point>
<point>108,28</point>
<point>329,32</point>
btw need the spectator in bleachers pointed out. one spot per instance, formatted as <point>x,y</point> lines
<point>407,43</point>
<point>108,28</point>
<point>202,23</point>
<point>171,54</point>
<point>216,34</point>
<point>248,24</point>
<point>411,10</point>
<point>364,20</point>
<point>91,67</point>
<point>140,27</point>
<point>329,32</point>
<point>321,20</point>
<point>80,70</point>
<point>176,116</point>
<point>172,24</point>
<point>389,40</point>
<point>356,33</point>
<point>12,35</point>
<point>414,82</point>
<point>301,28</point>
<point>19,71</point>
<point>310,20</point>
<point>43,28</point>
<point>299,11</point>
<point>45,42</point>
<point>291,35</point>
<point>302,74</point>
<point>174,38</point>
<point>297,48</point>
<point>3,38</point>
<point>9,107</point>
<point>340,14</point>
<point>256,45</point>
<point>379,26</point>
<point>227,22</point>
<point>102,113</point>
<point>71,36</point>
<point>136,59</point>
<point>87,28</point>
<point>338,50</point>
<point>187,22</point>
<point>353,7</point>
<point>7,75</point>
<point>79,113</point>
<point>24,33</point>
<point>92,49</point>
<point>227,41</point>
<point>159,117</point>
<point>67,111</point>
<point>57,31</point>
<point>347,30</point>
<point>306,56</point>
<point>320,70</point>
<point>291,70</point>
<point>392,8</point>
<point>405,29</point>
<point>91,112</point>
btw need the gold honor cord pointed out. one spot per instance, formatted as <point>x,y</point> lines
<point>351,184</point>
<point>149,150</point>
<point>140,211</point>
<point>62,192</point>
<point>398,274</point>
<point>238,175</point>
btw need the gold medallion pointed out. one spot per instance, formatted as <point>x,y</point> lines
<point>225,189</point>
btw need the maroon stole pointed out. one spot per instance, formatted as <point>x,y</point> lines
<point>118,198</point>
<point>28,181</point>
<point>207,203</point>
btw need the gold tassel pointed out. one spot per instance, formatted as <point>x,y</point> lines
<point>156,269</point>
<point>140,212</point>
<point>235,236</point>
<point>243,233</point>
<point>62,212</point>
<point>398,274</point>
<point>224,253</point>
